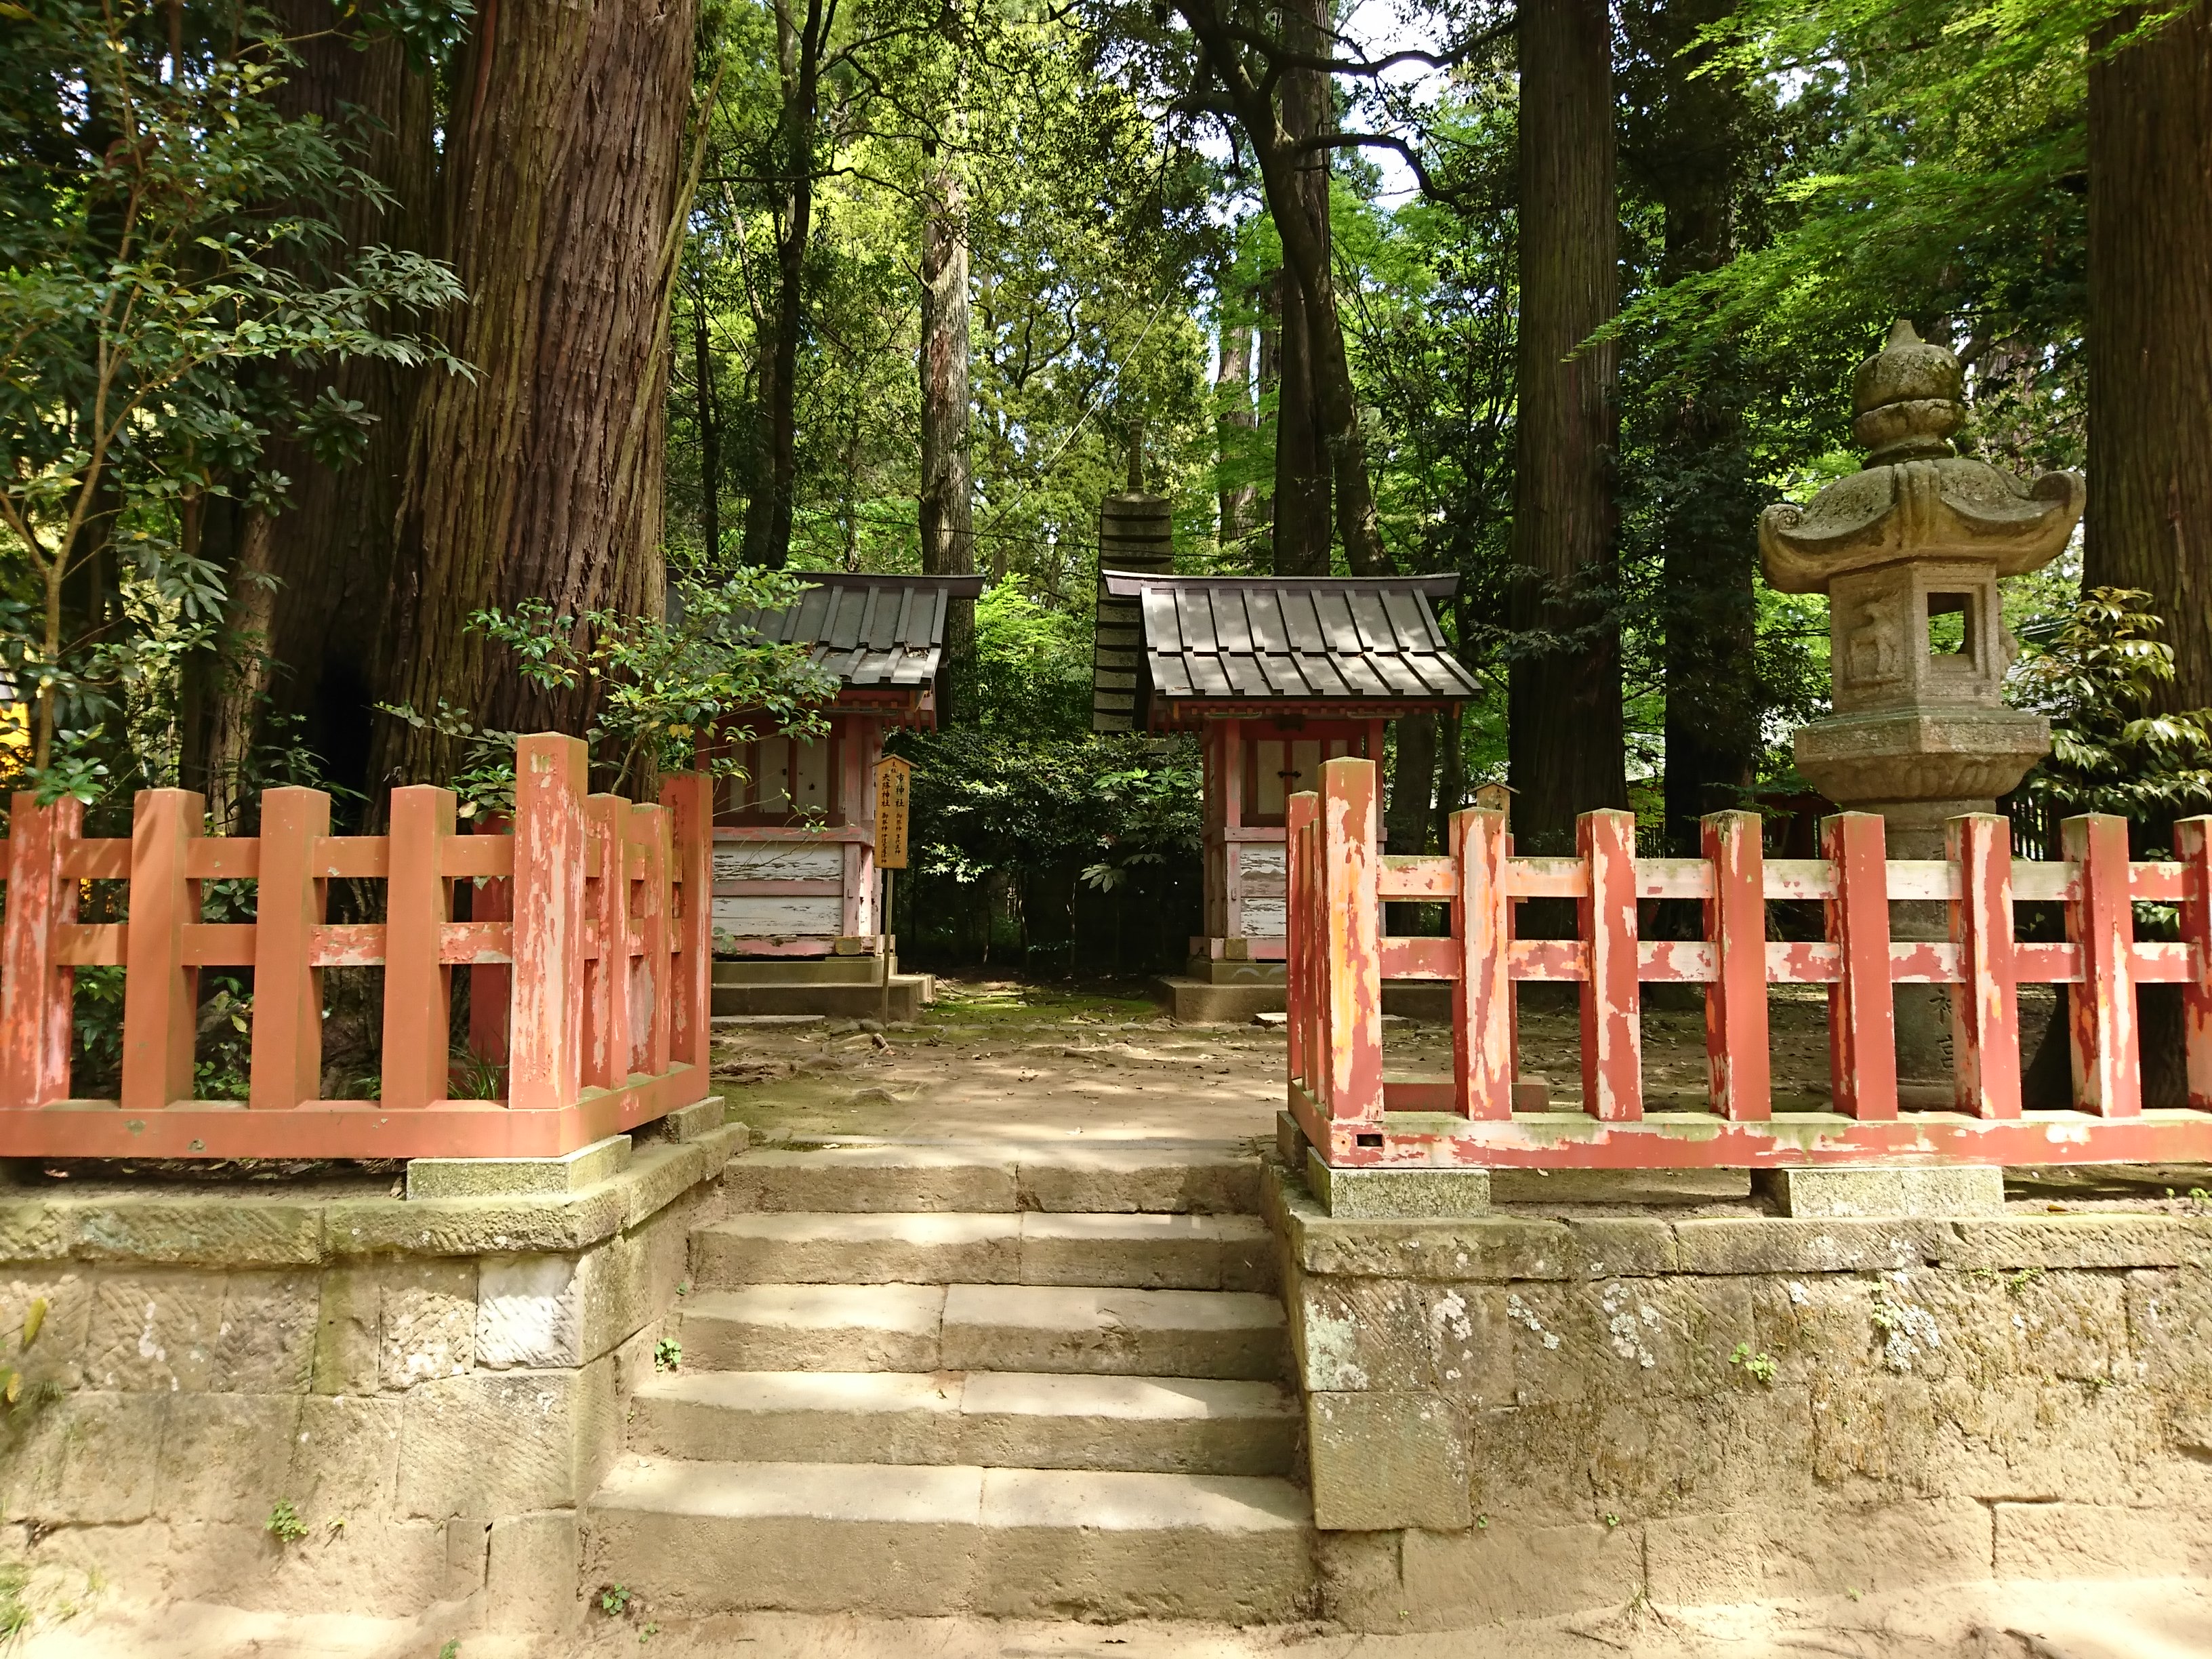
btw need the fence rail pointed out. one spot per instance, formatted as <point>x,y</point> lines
<point>588,946</point>
<point>1338,956</point>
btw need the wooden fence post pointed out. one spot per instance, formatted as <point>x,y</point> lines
<point>546,1030</point>
<point>1299,814</point>
<point>607,1035</point>
<point>1985,1003</point>
<point>418,902</point>
<point>653,975</point>
<point>2101,921</point>
<point>1612,999</point>
<point>2192,845</point>
<point>1354,952</point>
<point>1739,1067</point>
<point>160,993</point>
<point>491,984</point>
<point>1862,1003</point>
<point>689,798</point>
<point>37,993</point>
<point>1482,995</point>
<point>288,987</point>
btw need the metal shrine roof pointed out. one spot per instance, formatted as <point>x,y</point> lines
<point>1296,639</point>
<point>869,630</point>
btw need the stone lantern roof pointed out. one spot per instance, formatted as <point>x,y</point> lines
<point>1916,498</point>
<point>1909,551</point>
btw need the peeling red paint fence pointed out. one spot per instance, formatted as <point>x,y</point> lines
<point>588,946</point>
<point>1338,959</point>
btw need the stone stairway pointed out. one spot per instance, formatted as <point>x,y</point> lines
<point>1038,1383</point>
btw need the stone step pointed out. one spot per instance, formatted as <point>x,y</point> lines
<point>1157,1251</point>
<point>906,1540</point>
<point>998,1419</point>
<point>983,1327</point>
<point>1119,1333</point>
<point>1197,1177</point>
<point>907,995</point>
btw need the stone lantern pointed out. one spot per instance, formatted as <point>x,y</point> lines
<point>1916,539</point>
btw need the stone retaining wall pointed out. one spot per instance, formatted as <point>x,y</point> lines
<point>1533,1414</point>
<point>433,1377</point>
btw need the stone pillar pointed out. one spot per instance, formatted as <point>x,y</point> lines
<point>1909,552</point>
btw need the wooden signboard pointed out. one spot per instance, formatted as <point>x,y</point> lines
<point>892,776</point>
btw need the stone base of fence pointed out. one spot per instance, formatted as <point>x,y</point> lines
<point>435,1382</point>
<point>1549,1409</point>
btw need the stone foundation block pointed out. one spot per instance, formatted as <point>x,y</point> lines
<point>426,1322</point>
<point>532,1571</point>
<point>2084,1541</point>
<point>1938,1191</point>
<point>1384,1461</point>
<point>1361,1194</point>
<point>1795,1550</point>
<point>507,1178</point>
<point>1482,1575</point>
<point>499,1444</point>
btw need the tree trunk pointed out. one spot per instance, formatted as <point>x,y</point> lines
<point>2149,519</point>
<point>243,673</point>
<point>1234,423</point>
<point>542,476</point>
<point>1298,201</point>
<point>710,432</point>
<point>1687,155</point>
<point>947,503</point>
<point>330,551</point>
<point>769,513</point>
<point>1303,507</point>
<point>1267,398</point>
<point>1564,705</point>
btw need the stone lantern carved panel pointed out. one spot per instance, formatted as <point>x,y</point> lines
<point>1909,552</point>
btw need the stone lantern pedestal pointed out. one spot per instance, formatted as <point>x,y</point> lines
<point>1909,552</point>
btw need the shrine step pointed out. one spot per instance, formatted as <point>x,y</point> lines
<point>1007,1420</point>
<point>911,1541</point>
<point>1184,1177</point>
<point>1149,1250</point>
<point>1012,1327</point>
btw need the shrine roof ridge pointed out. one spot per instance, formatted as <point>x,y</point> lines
<point>1303,639</point>
<point>868,628</point>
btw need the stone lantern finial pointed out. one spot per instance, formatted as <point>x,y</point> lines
<point>1908,398</point>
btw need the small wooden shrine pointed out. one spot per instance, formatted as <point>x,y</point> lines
<point>799,926</point>
<point>1277,674</point>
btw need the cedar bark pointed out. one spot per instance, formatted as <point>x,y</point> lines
<point>769,510</point>
<point>710,431</point>
<point>1564,705</point>
<point>329,552</point>
<point>947,500</point>
<point>1234,420</point>
<point>2149,519</point>
<point>1302,472</point>
<point>1686,152</point>
<point>1268,393</point>
<point>541,478</point>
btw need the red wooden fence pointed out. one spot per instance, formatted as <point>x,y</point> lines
<point>1339,958</point>
<point>589,946</point>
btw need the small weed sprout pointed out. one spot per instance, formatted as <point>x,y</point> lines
<point>614,1600</point>
<point>667,1354</point>
<point>452,1649</point>
<point>1760,1365</point>
<point>15,1615</point>
<point>284,1523</point>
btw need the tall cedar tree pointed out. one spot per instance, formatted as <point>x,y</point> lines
<point>307,638</point>
<point>1302,465</point>
<point>2149,519</point>
<point>947,503</point>
<point>1564,704</point>
<point>542,476</point>
<point>1686,152</point>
